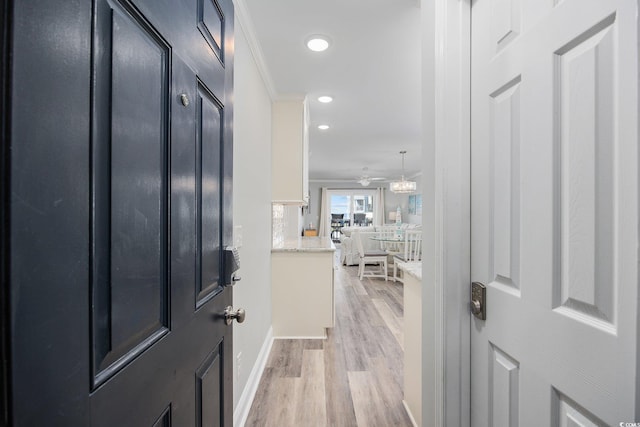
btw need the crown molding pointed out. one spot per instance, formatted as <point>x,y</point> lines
<point>243,18</point>
<point>291,97</point>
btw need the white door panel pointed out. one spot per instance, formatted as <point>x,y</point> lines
<point>555,211</point>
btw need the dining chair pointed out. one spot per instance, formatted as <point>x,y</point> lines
<point>378,257</point>
<point>359,219</point>
<point>337,221</point>
<point>412,251</point>
<point>387,234</point>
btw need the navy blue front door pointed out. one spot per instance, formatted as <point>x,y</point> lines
<point>120,205</point>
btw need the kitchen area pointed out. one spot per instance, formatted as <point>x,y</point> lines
<point>302,268</point>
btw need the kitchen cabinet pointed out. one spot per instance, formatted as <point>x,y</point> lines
<point>290,152</point>
<point>302,281</point>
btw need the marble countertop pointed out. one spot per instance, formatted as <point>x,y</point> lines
<point>305,244</point>
<point>412,268</point>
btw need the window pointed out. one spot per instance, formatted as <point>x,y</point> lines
<point>357,206</point>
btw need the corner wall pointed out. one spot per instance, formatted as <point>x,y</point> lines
<point>252,211</point>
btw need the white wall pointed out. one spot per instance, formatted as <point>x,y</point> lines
<point>393,200</point>
<point>251,209</point>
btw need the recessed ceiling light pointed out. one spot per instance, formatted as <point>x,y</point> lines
<point>323,127</point>
<point>318,43</point>
<point>325,99</point>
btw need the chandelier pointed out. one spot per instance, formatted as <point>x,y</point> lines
<point>402,186</point>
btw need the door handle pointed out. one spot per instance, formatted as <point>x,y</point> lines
<point>478,300</point>
<point>230,314</point>
<point>476,307</point>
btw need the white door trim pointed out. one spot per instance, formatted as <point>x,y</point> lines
<point>638,311</point>
<point>446,180</point>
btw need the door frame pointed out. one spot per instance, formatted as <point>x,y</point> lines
<point>446,162</point>
<point>638,313</point>
<point>5,13</point>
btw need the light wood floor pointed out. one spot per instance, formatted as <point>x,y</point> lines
<point>353,378</point>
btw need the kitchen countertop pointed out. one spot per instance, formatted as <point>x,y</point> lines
<point>305,244</point>
<point>412,268</point>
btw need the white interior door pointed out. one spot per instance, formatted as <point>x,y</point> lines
<point>555,211</point>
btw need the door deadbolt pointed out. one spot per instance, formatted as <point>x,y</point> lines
<point>478,300</point>
<point>230,314</point>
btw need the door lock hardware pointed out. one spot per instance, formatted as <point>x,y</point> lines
<point>479,300</point>
<point>230,314</point>
<point>231,264</point>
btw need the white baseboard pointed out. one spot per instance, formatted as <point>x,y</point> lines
<point>302,337</point>
<point>241,412</point>
<point>406,407</point>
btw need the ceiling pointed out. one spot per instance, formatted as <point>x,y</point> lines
<point>371,69</point>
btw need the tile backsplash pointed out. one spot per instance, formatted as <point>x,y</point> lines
<point>286,222</point>
<point>277,223</point>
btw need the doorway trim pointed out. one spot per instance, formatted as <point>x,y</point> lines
<point>446,148</point>
<point>638,313</point>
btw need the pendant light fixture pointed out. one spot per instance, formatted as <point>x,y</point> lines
<point>403,186</point>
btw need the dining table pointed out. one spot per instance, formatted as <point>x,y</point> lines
<point>392,244</point>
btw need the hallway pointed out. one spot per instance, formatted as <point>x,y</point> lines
<point>353,378</point>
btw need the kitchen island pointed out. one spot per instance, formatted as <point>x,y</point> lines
<point>302,300</point>
<point>413,338</point>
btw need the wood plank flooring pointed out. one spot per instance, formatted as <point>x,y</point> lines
<point>353,378</point>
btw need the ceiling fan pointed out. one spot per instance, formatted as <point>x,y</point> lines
<point>365,179</point>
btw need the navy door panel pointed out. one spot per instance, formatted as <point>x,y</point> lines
<point>208,183</point>
<point>130,164</point>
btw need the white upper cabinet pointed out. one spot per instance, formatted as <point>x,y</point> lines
<point>290,152</point>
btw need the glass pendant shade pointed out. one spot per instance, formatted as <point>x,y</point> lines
<point>402,186</point>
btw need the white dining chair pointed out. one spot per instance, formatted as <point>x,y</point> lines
<point>378,257</point>
<point>412,251</point>
<point>387,233</point>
